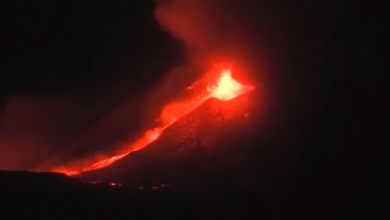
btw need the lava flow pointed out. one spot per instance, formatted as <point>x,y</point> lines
<point>216,84</point>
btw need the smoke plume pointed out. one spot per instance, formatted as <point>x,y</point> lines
<point>210,30</point>
<point>34,129</point>
<point>30,127</point>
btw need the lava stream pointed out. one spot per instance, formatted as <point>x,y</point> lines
<point>218,85</point>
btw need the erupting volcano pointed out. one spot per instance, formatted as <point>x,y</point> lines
<point>218,83</point>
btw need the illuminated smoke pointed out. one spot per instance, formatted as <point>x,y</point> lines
<point>213,43</point>
<point>210,35</point>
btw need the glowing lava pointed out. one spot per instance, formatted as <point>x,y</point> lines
<point>227,87</point>
<point>216,84</point>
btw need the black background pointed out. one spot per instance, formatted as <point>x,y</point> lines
<point>325,54</point>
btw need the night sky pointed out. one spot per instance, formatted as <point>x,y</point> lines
<point>78,76</point>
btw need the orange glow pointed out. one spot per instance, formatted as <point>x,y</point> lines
<point>216,84</point>
<point>148,137</point>
<point>115,184</point>
<point>228,88</point>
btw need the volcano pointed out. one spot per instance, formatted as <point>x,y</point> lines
<point>206,141</point>
<point>217,85</point>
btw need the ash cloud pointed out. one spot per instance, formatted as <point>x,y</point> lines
<point>30,127</point>
<point>37,133</point>
<point>212,31</point>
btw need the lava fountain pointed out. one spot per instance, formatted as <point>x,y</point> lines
<point>218,83</point>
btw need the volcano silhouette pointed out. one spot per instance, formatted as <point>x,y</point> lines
<point>200,146</point>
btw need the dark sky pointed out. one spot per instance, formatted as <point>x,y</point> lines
<point>75,69</point>
<point>61,43</point>
<point>70,63</point>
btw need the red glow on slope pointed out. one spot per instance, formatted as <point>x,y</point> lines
<point>215,84</point>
